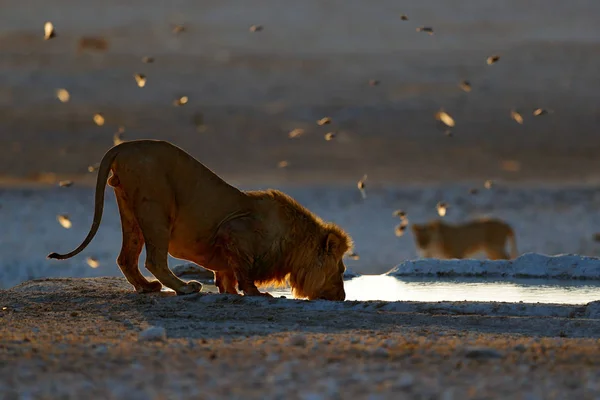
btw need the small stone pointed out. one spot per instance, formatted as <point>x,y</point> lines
<point>405,381</point>
<point>482,353</point>
<point>521,348</point>
<point>381,352</point>
<point>153,333</point>
<point>298,340</point>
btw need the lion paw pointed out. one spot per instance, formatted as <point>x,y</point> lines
<point>150,287</point>
<point>190,287</point>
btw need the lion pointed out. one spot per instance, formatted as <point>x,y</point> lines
<point>173,204</point>
<point>438,239</point>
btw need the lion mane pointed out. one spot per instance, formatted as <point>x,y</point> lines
<point>171,203</point>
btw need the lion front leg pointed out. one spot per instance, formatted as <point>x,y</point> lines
<point>246,285</point>
<point>226,282</point>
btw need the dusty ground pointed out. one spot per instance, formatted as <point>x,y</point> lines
<point>81,337</point>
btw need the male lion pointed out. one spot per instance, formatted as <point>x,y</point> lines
<point>438,239</point>
<point>175,205</point>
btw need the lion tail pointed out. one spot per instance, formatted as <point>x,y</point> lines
<point>513,244</point>
<point>103,171</point>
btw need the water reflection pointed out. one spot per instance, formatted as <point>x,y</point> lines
<point>387,288</point>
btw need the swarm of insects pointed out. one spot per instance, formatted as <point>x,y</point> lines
<point>324,121</point>
<point>180,101</point>
<point>64,221</point>
<point>399,213</point>
<point>399,230</point>
<point>465,85</point>
<point>296,133</point>
<point>49,31</point>
<point>445,118</point>
<point>361,186</point>
<point>92,262</point>
<point>516,116</point>
<point>492,59</point>
<point>118,136</point>
<point>426,29</point>
<point>177,29</point>
<point>99,119</point>
<point>442,208</point>
<point>63,95</point>
<point>140,79</point>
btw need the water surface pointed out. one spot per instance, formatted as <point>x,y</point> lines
<point>387,288</point>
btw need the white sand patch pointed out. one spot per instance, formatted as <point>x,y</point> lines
<point>530,265</point>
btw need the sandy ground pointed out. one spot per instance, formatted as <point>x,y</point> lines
<point>75,338</point>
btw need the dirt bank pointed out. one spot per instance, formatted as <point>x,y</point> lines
<point>70,338</point>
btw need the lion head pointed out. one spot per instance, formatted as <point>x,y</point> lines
<point>323,277</point>
<point>424,234</point>
<point>309,251</point>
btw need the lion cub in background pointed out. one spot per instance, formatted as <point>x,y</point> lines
<point>438,239</point>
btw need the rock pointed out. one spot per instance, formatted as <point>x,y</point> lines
<point>521,348</point>
<point>405,381</point>
<point>153,333</point>
<point>190,270</point>
<point>298,340</point>
<point>593,310</point>
<point>482,353</point>
<point>381,352</point>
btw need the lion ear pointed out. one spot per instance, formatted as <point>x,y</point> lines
<point>334,244</point>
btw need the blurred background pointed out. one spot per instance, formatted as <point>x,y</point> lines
<point>379,80</point>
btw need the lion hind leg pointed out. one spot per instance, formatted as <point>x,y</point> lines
<point>131,248</point>
<point>154,224</point>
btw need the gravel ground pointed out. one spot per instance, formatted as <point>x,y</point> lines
<point>75,338</point>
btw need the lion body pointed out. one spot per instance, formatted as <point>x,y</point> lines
<point>175,205</point>
<point>438,239</point>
